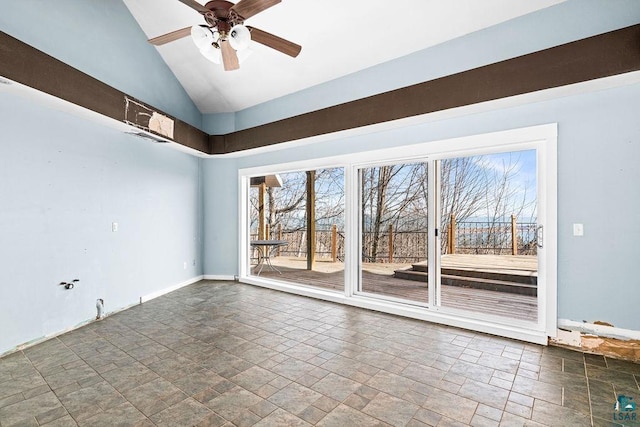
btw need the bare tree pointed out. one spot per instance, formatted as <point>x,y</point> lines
<point>470,187</point>
<point>388,194</point>
<point>462,187</point>
<point>286,204</point>
<point>487,187</point>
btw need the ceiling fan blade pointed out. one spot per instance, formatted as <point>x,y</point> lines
<point>248,8</point>
<point>275,42</point>
<point>229,57</point>
<point>169,37</point>
<point>195,5</point>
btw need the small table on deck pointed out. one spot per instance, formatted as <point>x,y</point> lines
<point>265,247</point>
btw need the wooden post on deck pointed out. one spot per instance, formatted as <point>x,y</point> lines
<point>334,243</point>
<point>390,243</point>
<point>311,219</point>
<point>514,236</point>
<point>452,234</point>
<point>262,214</point>
<point>267,231</point>
<point>279,238</point>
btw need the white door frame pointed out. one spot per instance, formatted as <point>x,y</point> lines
<point>543,138</point>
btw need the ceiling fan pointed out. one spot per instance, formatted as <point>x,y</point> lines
<point>225,37</point>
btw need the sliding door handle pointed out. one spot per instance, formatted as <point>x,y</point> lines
<point>540,236</point>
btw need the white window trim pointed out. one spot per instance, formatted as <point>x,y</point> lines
<point>543,138</point>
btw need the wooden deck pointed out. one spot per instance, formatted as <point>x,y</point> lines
<point>378,279</point>
<point>521,265</point>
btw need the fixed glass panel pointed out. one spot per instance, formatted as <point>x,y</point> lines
<point>488,222</point>
<point>297,227</point>
<point>393,231</point>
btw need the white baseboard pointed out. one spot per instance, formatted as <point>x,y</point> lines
<point>44,338</point>
<point>599,330</point>
<point>146,298</point>
<point>568,338</point>
<point>164,291</point>
<point>219,277</point>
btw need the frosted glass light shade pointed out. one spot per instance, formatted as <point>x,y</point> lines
<point>212,54</point>
<point>201,36</point>
<point>239,37</point>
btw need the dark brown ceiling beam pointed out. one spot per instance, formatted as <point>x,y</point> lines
<point>26,65</point>
<point>600,56</point>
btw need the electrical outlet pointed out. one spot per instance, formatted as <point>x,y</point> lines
<point>185,265</point>
<point>578,230</point>
<point>114,227</point>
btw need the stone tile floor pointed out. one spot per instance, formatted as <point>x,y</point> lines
<point>228,354</point>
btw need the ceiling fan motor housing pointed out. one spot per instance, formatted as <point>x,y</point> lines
<point>221,16</point>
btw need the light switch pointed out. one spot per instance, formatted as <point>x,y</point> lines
<point>114,226</point>
<point>578,230</point>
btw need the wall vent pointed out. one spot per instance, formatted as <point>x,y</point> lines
<point>148,137</point>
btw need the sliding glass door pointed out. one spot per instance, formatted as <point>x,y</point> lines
<point>446,231</point>
<point>296,227</point>
<point>394,231</point>
<point>488,252</point>
<point>478,255</point>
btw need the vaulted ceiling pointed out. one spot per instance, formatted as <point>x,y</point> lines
<point>338,38</point>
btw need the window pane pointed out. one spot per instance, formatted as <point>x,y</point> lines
<point>394,231</point>
<point>297,228</point>
<point>488,257</point>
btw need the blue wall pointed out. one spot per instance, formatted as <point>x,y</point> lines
<point>220,204</point>
<point>102,39</point>
<point>598,176</point>
<point>219,124</point>
<point>63,182</point>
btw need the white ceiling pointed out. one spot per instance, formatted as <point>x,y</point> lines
<point>338,37</point>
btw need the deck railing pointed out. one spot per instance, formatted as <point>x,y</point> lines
<point>490,237</point>
<point>408,246</point>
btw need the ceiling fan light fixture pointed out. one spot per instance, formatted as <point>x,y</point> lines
<point>201,36</point>
<point>216,35</point>
<point>225,39</point>
<point>239,37</point>
<point>212,53</point>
